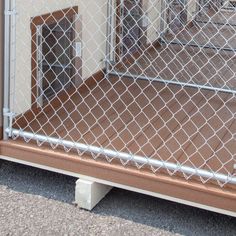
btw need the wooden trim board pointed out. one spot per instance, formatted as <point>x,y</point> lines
<point>122,186</point>
<point>1,132</point>
<point>173,187</point>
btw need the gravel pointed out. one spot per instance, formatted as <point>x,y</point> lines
<point>38,202</point>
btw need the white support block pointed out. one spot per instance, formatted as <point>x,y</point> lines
<point>89,193</point>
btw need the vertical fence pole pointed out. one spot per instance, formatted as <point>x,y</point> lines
<point>12,50</point>
<point>6,98</point>
<point>108,36</point>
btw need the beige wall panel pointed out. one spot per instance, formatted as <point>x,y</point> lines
<point>93,16</point>
<point>191,9</point>
<point>154,14</point>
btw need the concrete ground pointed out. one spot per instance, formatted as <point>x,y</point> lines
<point>37,202</point>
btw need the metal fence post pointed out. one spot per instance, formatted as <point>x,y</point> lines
<point>108,36</point>
<point>9,64</point>
<point>6,67</point>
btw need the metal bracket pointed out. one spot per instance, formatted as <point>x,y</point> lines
<point>10,13</point>
<point>10,115</point>
<point>111,62</point>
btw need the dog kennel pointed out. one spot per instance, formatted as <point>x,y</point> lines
<point>136,92</point>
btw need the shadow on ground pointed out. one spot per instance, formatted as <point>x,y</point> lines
<point>35,181</point>
<point>134,207</point>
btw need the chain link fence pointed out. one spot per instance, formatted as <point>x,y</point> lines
<point>147,83</point>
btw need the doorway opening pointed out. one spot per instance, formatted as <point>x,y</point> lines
<point>131,29</point>
<point>55,64</point>
<point>53,54</point>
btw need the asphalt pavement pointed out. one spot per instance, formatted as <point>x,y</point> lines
<point>38,202</point>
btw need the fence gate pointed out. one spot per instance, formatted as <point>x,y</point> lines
<point>147,83</point>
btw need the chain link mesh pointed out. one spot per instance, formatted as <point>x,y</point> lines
<point>149,83</point>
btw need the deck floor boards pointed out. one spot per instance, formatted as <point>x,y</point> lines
<point>180,125</point>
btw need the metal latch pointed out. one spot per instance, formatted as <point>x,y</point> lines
<point>8,113</point>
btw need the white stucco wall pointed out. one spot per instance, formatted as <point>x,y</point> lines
<point>156,11</point>
<point>191,9</point>
<point>93,18</point>
<point>153,9</point>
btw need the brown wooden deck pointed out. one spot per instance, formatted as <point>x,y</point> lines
<point>148,119</point>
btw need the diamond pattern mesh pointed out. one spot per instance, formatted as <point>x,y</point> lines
<point>147,83</point>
